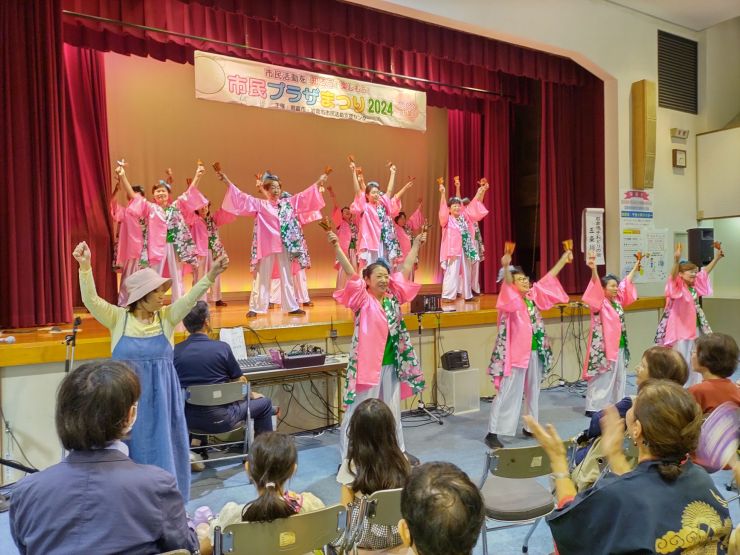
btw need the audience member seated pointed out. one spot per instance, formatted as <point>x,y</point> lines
<point>657,363</point>
<point>97,500</point>
<point>374,462</point>
<point>442,510</point>
<point>715,357</point>
<point>271,462</point>
<point>667,504</point>
<point>200,360</point>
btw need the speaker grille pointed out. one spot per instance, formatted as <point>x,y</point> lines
<point>677,73</point>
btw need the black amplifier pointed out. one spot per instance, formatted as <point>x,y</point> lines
<point>455,360</point>
<point>426,303</point>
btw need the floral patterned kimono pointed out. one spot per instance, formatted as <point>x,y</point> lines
<point>683,314</point>
<point>377,234</point>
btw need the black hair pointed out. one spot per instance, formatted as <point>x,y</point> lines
<point>718,352</point>
<point>196,318</point>
<point>138,189</point>
<point>367,271</point>
<point>454,200</point>
<point>443,509</point>
<point>272,459</point>
<point>607,278</point>
<point>401,213</point>
<point>93,404</point>
<point>373,451</point>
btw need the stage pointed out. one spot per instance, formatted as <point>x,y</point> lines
<point>47,344</point>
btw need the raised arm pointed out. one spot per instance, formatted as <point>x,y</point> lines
<point>410,260</point>
<point>391,181</point>
<point>355,179</point>
<point>676,261</point>
<point>482,188</point>
<point>199,171</point>
<point>341,257</point>
<point>457,186</point>
<point>405,188</point>
<point>633,271</point>
<point>566,257</point>
<point>444,211</point>
<point>591,263</point>
<point>121,177</point>
<point>102,311</point>
<point>180,308</point>
<point>718,253</point>
<point>505,264</point>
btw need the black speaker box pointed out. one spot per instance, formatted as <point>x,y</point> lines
<point>701,245</point>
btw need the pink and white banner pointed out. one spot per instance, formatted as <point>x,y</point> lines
<point>226,79</point>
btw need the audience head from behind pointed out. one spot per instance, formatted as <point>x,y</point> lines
<point>198,319</point>
<point>665,423</point>
<point>662,363</point>
<point>271,462</point>
<point>715,355</point>
<point>373,452</point>
<point>442,511</point>
<point>96,405</point>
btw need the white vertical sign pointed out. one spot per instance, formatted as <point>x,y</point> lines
<point>592,234</point>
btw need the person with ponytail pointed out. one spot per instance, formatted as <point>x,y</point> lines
<point>683,319</point>
<point>271,463</point>
<point>667,504</point>
<point>607,355</point>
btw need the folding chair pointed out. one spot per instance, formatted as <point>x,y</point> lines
<point>512,493</point>
<point>294,535</point>
<point>382,508</point>
<point>215,395</point>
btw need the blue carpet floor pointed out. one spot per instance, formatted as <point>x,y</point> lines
<point>458,441</point>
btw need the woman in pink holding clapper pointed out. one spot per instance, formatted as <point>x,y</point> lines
<point>607,355</point>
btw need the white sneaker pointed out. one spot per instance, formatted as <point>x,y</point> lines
<point>195,462</point>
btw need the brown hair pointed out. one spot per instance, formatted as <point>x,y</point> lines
<point>93,404</point>
<point>373,450</point>
<point>718,352</point>
<point>671,423</point>
<point>272,460</point>
<point>663,363</point>
<point>687,266</point>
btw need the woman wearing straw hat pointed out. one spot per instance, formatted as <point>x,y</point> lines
<point>142,331</point>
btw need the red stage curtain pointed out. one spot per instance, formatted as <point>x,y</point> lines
<point>571,172</point>
<point>35,285</point>
<point>87,162</point>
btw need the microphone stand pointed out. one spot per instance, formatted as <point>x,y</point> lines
<point>4,501</point>
<point>71,342</point>
<point>421,404</point>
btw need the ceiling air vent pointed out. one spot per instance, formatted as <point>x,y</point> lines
<point>677,70</point>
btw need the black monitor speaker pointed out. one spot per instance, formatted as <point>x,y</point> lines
<point>701,245</point>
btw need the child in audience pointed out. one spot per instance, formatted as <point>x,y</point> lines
<point>374,462</point>
<point>715,357</point>
<point>442,511</point>
<point>271,462</point>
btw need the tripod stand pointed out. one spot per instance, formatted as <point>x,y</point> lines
<point>71,342</point>
<point>422,405</point>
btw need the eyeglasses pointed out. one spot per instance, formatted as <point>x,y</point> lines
<point>521,279</point>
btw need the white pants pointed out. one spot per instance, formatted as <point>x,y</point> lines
<point>685,346</point>
<point>263,277</point>
<point>607,388</point>
<point>365,258</point>
<point>457,276</point>
<point>507,405</point>
<point>129,267</point>
<point>300,287</point>
<point>205,263</point>
<point>388,390</point>
<point>174,271</point>
<point>342,276</point>
<point>475,277</point>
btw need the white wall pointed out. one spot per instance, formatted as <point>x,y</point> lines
<point>620,46</point>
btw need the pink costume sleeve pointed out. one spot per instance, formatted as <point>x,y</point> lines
<point>116,210</point>
<point>308,217</point>
<point>307,200</point>
<point>354,295</point>
<point>444,212</point>
<point>547,292</point>
<point>475,210</point>
<point>336,216</point>
<point>222,217</point>
<point>403,289</point>
<point>191,200</point>
<point>416,220</point>
<point>702,284</point>
<point>509,299</point>
<point>138,207</point>
<point>358,204</point>
<point>394,206</point>
<point>674,287</point>
<point>239,203</point>
<point>594,295</point>
<point>627,292</point>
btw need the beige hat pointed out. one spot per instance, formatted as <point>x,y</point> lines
<point>142,282</point>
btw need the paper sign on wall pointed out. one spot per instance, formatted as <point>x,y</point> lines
<point>227,79</point>
<point>592,234</point>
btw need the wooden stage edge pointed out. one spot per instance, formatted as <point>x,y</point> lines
<point>46,345</point>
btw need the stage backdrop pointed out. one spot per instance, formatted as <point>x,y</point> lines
<point>156,122</point>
